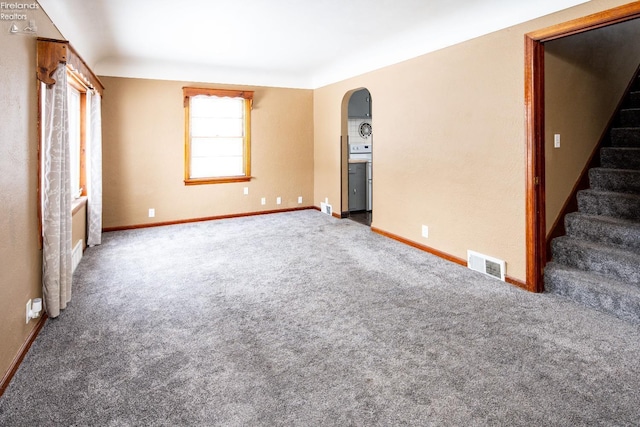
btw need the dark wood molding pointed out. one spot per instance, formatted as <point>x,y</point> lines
<point>589,22</point>
<point>221,180</point>
<point>534,167</point>
<point>333,214</point>
<point>50,54</point>
<point>229,93</point>
<point>209,218</point>
<point>24,349</point>
<point>439,254</point>
<point>536,239</point>
<point>416,245</point>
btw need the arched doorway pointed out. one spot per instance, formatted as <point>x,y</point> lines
<point>357,156</point>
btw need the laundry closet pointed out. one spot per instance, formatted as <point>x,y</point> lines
<point>360,154</point>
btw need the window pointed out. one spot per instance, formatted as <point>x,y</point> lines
<point>77,110</point>
<point>217,135</point>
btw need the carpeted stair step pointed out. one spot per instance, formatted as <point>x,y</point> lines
<point>625,137</point>
<point>608,203</point>
<point>622,180</point>
<point>620,158</point>
<point>629,117</point>
<point>619,264</point>
<point>593,290</point>
<point>632,100</point>
<point>603,229</point>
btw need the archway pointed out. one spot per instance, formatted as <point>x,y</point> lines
<point>357,156</point>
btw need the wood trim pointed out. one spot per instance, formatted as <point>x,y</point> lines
<point>51,52</point>
<point>22,352</point>
<point>571,204</point>
<point>209,218</point>
<point>422,247</point>
<point>195,91</point>
<point>333,213</point>
<point>534,118</point>
<point>534,167</point>
<point>221,180</point>
<point>246,147</point>
<point>589,22</point>
<point>515,282</point>
<point>83,142</point>
<point>440,254</point>
<point>39,183</point>
<point>246,143</point>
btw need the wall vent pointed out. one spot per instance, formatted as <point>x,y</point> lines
<point>76,255</point>
<point>485,264</point>
<point>326,208</point>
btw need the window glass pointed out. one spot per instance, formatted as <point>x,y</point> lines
<point>217,132</point>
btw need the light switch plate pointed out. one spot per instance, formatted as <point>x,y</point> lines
<point>556,140</point>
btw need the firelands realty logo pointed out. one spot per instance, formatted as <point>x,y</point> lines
<point>16,11</point>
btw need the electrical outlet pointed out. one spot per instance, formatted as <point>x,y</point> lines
<point>278,200</point>
<point>246,190</point>
<point>152,213</point>
<point>263,200</point>
<point>326,200</point>
<point>425,231</point>
<point>556,140</point>
<point>299,199</point>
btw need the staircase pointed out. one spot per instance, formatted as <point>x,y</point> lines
<point>597,263</point>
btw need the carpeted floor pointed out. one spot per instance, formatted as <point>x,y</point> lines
<point>302,319</point>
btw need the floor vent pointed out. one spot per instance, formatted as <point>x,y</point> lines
<point>326,208</point>
<point>76,255</point>
<point>486,264</point>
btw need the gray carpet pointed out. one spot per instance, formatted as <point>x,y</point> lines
<point>305,320</point>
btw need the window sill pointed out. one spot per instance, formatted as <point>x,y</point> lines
<point>77,204</point>
<point>221,180</point>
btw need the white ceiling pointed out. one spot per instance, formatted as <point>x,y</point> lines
<point>290,43</point>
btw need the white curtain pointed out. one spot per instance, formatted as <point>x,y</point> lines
<point>56,196</point>
<point>94,173</point>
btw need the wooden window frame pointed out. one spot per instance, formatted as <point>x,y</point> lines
<point>188,92</point>
<point>75,82</point>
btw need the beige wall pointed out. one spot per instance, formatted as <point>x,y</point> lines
<point>448,143</point>
<point>585,78</point>
<point>143,154</point>
<point>79,226</point>
<point>20,256</point>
